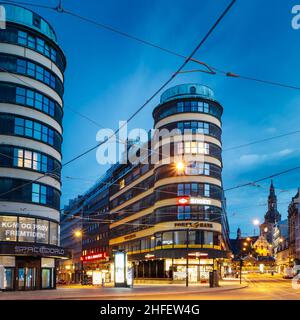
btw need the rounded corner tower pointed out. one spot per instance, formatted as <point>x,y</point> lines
<point>32,69</point>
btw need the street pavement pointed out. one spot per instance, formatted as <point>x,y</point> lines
<point>254,287</point>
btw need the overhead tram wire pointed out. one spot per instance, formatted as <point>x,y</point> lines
<point>209,69</point>
<point>203,40</point>
<point>164,85</point>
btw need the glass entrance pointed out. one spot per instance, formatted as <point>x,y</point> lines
<point>21,278</point>
<point>26,278</point>
<point>9,278</point>
<point>30,278</point>
<point>46,278</point>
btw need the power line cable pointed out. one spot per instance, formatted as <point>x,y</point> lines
<point>209,69</point>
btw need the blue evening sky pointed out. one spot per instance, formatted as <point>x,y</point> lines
<point>109,77</point>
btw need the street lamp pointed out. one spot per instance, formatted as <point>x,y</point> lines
<point>255,223</point>
<point>77,233</point>
<point>180,167</point>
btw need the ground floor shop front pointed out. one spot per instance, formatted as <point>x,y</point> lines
<point>28,267</point>
<point>197,266</point>
<point>27,273</point>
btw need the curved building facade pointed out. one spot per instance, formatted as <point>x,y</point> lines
<point>32,69</point>
<point>171,218</point>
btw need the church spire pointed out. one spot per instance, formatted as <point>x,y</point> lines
<point>272,215</point>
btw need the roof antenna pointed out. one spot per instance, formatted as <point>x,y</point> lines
<point>59,8</point>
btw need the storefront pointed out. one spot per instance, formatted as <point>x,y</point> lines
<point>29,266</point>
<point>96,269</point>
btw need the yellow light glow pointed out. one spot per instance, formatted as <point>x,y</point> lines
<point>266,229</point>
<point>245,243</point>
<point>244,249</point>
<point>180,166</point>
<point>77,233</point>
<point>248,239</point>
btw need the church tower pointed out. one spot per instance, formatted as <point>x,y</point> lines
<point>272,216</point>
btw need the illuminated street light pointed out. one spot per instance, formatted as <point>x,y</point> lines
<point>256,222</point>
<point>248,239</point>
<point>265,229</point>
<point>280,240</point>
<point>77,233</point>
<point>180,166</point>
<point>245,243</point>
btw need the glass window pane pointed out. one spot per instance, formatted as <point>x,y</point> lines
<point>54,233</point>
<point>8,228</point>
<point>42,231</point>
<point>26,229</point>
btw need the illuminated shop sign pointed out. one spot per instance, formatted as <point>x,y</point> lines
<point>97,256</point>
<point>28,230</point>
<point>186,200</point>
<point>194,225</point>
<point>39,250</point>
<point>183,201</point>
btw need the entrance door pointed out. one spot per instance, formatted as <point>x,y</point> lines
<point>46,278</point>
<point>21,279</point>
<point>9,279</point>
<point>30,278</point>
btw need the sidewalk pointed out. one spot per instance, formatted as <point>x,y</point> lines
<point>90,293</point>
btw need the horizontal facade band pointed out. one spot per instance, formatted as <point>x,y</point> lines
<point>133,200</point>
<point>169,226</point>
<point>206,158</point>
<point>16,173</point>
<point>177,139</point>
<point>188,117</point>
<point>132,184</point>
<point>32,55</point>
<point>34,114</point>
<point>176,246</point>
<point>187,179</point>
<point>132,217</point>
<point>35,210</point>
<point>30,144</point>
<point>31,83</point>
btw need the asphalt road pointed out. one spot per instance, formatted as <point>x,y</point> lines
<point>255,287</point>
<point>260,287</point>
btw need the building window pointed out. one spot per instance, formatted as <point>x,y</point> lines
<point>122,184</point>
<point>192,147</point>
<point>34,130</point>
<point>193,90</point>
<point>196,168</point>
<point>39,193</point>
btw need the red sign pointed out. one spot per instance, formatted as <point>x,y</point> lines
<point>101,255</point>
<point>183,201</point>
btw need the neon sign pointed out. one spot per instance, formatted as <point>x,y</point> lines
<point>101,255</point>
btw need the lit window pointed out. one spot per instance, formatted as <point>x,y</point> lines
<point>122,184</point>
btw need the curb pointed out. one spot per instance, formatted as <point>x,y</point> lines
<point>149,294</point>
